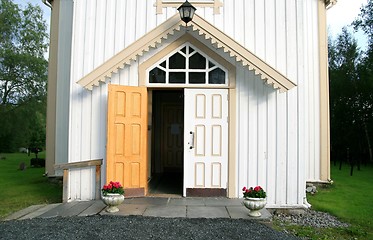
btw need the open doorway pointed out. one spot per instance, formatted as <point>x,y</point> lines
<point>167,143</point>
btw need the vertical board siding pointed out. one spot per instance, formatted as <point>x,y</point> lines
<point>288,42</point>
<point>120,23</point>
<point>278,145</point>
<point>271,147</point>
<point>239,24</point>
<point>208,14</point>
<point>63,84</point>
<point>281,108</point>
<point>259,32</point>
<point>109,31</point>
<point>270,34</point>
<point>262,134</point>
<point>75,101</point>
<point>243,133</point>
<point>292,118</point>
<point>252,110</point>
<point>249,41</point>
<point>300,99</point>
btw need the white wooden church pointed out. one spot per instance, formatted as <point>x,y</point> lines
<point>237,96</point>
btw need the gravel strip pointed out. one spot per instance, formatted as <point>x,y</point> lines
<point>310,218</point>
<point>136,227</point>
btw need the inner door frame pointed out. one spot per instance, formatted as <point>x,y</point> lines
<point>232,121</point>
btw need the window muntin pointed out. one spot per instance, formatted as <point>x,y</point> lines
<point>187,66</point>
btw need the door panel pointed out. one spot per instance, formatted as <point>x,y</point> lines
<point>127,138</point>
<point>172,137</point>
<point>206,140</point>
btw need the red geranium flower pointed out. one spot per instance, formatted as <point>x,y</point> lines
<point>112,187</point>
<point>257,188</point>
<point>256,192</point>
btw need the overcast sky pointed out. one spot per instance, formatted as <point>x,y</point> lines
<point>341,14</point>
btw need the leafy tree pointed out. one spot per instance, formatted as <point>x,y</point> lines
<point>344,58</point>
<point>365,22</point>
<point>23,74</point>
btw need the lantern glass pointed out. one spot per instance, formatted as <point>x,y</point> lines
<point>186,11</point>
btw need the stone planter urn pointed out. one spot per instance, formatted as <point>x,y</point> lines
<point>254,205</point>
<point>112,200</point>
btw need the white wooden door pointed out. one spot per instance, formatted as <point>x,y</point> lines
<point>205,139</point>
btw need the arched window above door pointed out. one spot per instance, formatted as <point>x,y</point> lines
<point>187,66</point>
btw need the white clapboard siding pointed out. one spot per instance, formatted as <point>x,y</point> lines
<point>281,106</point>
<point>292,103</point>
<point>74,192</point>
<point>63,86</point>
<point>277,138</point>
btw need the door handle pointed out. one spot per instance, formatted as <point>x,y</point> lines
<point>191,140</point>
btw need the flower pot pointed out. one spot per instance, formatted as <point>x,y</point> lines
<point>254,205</point>
<point>112,200</point>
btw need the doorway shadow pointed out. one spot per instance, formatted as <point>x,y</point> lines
<point>168,184</point>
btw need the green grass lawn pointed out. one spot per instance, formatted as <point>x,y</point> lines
<point>20,189</point>
<point>350,198</point>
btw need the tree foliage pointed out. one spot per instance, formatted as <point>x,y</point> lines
<point>365,23</point>
<point>23,75</point>
<point>351,91</point>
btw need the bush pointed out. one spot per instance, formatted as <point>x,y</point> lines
<point>37,162</point>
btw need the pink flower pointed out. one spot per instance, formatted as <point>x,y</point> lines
<point>244,189</point>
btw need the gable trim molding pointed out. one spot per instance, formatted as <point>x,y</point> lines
<point>220,40</point>
<point>187,38</point>
<point>217,38</point>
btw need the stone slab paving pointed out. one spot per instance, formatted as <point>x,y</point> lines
<point>60,210</point>
<point>40,211</point>
<point>147,206</point>
<point>206,212</point>
<point>127,210</point>
<point>166,211</point>
<point>223,202</point>
<point>76,209</point>
<point>242,212</point>
<point>150,201</point>
<point>24,212</point>
<point>96,207</point>
<point>187,202</point>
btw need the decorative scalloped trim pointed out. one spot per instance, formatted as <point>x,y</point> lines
<point>133,57</point>
<point>152,43</point>
<point>238,58</point>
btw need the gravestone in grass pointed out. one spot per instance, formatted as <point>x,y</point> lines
<point>22,166</point>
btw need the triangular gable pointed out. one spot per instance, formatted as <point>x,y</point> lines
<point>210,32</point>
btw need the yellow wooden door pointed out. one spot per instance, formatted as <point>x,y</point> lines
<point>127,138</point>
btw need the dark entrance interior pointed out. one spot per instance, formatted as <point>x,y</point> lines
<point>167,142</point>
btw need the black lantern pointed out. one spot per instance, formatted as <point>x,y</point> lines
<point>186,11</point>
